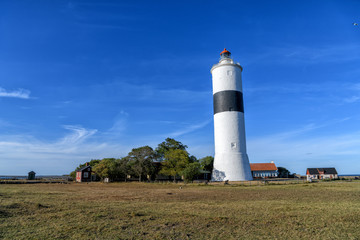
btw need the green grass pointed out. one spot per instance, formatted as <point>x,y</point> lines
<point>326,210</point>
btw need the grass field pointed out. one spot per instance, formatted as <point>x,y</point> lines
<point>326,210</point>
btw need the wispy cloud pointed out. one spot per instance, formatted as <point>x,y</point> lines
<point>332,53</point>
<point>20,93</point>
<point>298,54</point>
<point>119,125</point>
<point>151,95</point>
<point>352,99</point>
<point>356,86</point>
<point>79,134</point>
<point>188,129</point>
<point>87,14</point>
<point>305,129</point>
<point>355,90</point>
<point>329,93</point>
<point>54,157</point>
<point>299,88</point>
<point>4,123</point>
<point>295,148</point>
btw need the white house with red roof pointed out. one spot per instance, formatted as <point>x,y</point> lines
<point>264,170</point>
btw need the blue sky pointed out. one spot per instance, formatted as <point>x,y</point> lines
<point>81,80</point>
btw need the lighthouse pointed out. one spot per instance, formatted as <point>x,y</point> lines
<point>231,161</point>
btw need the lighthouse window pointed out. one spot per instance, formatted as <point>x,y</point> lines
<point>229,73</point>
<point>233,145</point>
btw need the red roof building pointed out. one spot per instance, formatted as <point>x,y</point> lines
<point>264,170</point>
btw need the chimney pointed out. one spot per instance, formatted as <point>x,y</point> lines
<point>87,164</point>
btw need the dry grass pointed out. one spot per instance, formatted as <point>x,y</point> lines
<point>328,210</point>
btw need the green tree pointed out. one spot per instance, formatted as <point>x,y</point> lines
<point>207,163</point>
<point>175,162</point>
<point>106,168</point>
<point>167,145</point>
<point>193,159</point>
<point>191,171</point>
<point>283,172</point>
<point>123,167</point>
<point>73,175</point>
<point>142,159</point>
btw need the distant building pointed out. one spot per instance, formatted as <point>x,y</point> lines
<point>31,175</point>
<point>321,173</point>
<point>203,175</point>
<point>264,170</point>
<point>84,174</point>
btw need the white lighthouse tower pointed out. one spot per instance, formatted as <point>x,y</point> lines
<point>231,160</point>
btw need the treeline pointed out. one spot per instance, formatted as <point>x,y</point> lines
<point>170,158</point>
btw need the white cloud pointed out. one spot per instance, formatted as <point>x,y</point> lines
<point>188,129</point>
<point>356,86</point>
<point>20,93</point>
<point>293,149</point>
<point>69,143</point>
<point>4,123</point>
<point>331,53</point>
<point>352,99</point>
<point>298,54</point>
<point>119,126</point>
<point>78,134</point>
<point>19,152</point>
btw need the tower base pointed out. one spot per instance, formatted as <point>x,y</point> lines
<point>231,167</point>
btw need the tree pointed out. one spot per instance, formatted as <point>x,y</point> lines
<point>93,162</point>
<point>106,168</point>
<point>191,171</point>
<point>175,162</point>
<point>167,145</point>
<point>73,175</point>
<point>193,159</point>
<point>207,163</point>
<point>283,172</point>
<point>142,159</point>
<point>123,167</point>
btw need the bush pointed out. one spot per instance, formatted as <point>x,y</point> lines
<point>191,171</point>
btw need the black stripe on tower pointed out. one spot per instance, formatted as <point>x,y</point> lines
<point>228,100</point>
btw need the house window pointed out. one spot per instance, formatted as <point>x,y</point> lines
<point>229,73</point>
<point>86,174</point>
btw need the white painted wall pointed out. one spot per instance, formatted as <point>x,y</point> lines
<point>231,160</point>
<point>226,76</point>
